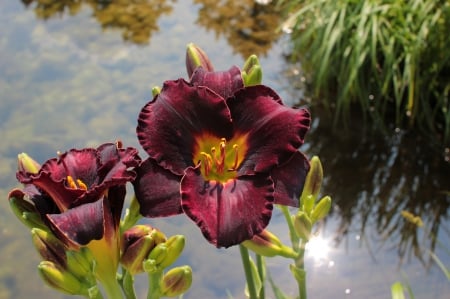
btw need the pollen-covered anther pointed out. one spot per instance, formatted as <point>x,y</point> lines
<point>236,158</point>
<point>207,162</point>
<point>78,184</point>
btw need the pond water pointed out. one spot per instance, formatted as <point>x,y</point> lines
<point>76,74</point>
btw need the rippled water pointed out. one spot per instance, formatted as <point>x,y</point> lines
<point>79,79</point>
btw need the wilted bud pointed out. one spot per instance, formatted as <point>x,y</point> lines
<point>321,209</point>
<point>164,254</point>
<point>267,244</point>
<point>195,57</point>
<point>313,179</point>
<point>137,243</point>
<point>27,164</point>
<point>176,281</point>
<point>252,72</point>
<point>61,280</point>
<point>49,247</point>
<point>302,225</point>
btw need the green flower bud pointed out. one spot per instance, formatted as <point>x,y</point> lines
<point>321,209</point>
<point>27,164</point>
<point>308,203</point>
<point>175,246</point>
<point>49,247</point>
<point>252,72</point>
<point>164,254</point>
<point>268,244</point>
<point>137,243</point>
<point>81,263</point>
<point>302,225</point>
<point>156,91</point>
<point>195,57</point>
<point>61,280</point>
<point>24,210</point>
<point>176,281</point>
<point>313,180</point>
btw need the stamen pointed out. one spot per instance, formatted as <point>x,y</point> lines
<point>71,182</point>
<point>207,161</point>
<point>81,185</point>
<point>221,161</point>
<point>236,157</point>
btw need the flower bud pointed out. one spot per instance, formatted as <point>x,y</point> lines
<point>268,244</point>
<point>156,91</point>
<point>252,72</point>
<point>321,209</point>
<point>49,247</point>
<point>176,281</point>
<point>132,215</point>
<point>25,211</point>
<point>302,225</point>
<point>27,164</point>
<point>195,57</point>
<point>313,179</point>
<point>81,263</point>
<point>164,254</point>
<point>61,280</point>
<point>137,243</point>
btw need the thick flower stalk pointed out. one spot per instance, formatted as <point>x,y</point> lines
<point>220,151</point>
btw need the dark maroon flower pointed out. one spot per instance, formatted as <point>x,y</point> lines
<point>221,153</point>
<point>80,194</point>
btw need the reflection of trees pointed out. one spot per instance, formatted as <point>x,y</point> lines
<point>136,18</point>
<point>249,27</point>
<point>373,177</point>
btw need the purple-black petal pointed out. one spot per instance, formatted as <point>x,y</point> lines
<point>274,131</point>
<point>227,213</point>
<point>157,190</point>
<point>167,126</point>
<point>289,180</point>
<point>225,83</point>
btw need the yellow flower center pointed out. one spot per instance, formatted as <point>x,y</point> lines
<point>76,184</point>
<point>219,158</point>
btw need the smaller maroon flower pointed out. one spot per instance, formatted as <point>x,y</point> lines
<point>80,194</point>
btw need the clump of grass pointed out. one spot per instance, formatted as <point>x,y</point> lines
<point>391,57</point>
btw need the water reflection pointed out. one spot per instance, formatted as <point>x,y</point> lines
<point>249,27</point>
<point>137,19</point>
<point>374,176</point>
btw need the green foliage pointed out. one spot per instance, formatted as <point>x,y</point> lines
<point>389,56</point>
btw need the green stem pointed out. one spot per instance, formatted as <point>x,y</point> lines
<point>248,272</point>
<point>261,271</point>
<point>300,265</point>
<point>128,285</point>
<point>154,280</point>
<point>292,234</point>
<point>112,288</point>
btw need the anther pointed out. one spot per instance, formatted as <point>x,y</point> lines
<point>207,161</point>
<point>81,185</point>
<point>236,157</point>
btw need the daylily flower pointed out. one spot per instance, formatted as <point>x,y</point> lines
<point>221,153</point>
<point>80,196</point>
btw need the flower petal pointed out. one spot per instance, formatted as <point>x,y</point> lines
<point>225,83</point>
<point>167,125</point>
<point>80,225</point>
<point>274,131</point>
<point>157,190</point>
<point>289,179</point>
<point>228,213</point>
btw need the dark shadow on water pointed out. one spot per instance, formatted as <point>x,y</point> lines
<point>374,175</point>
